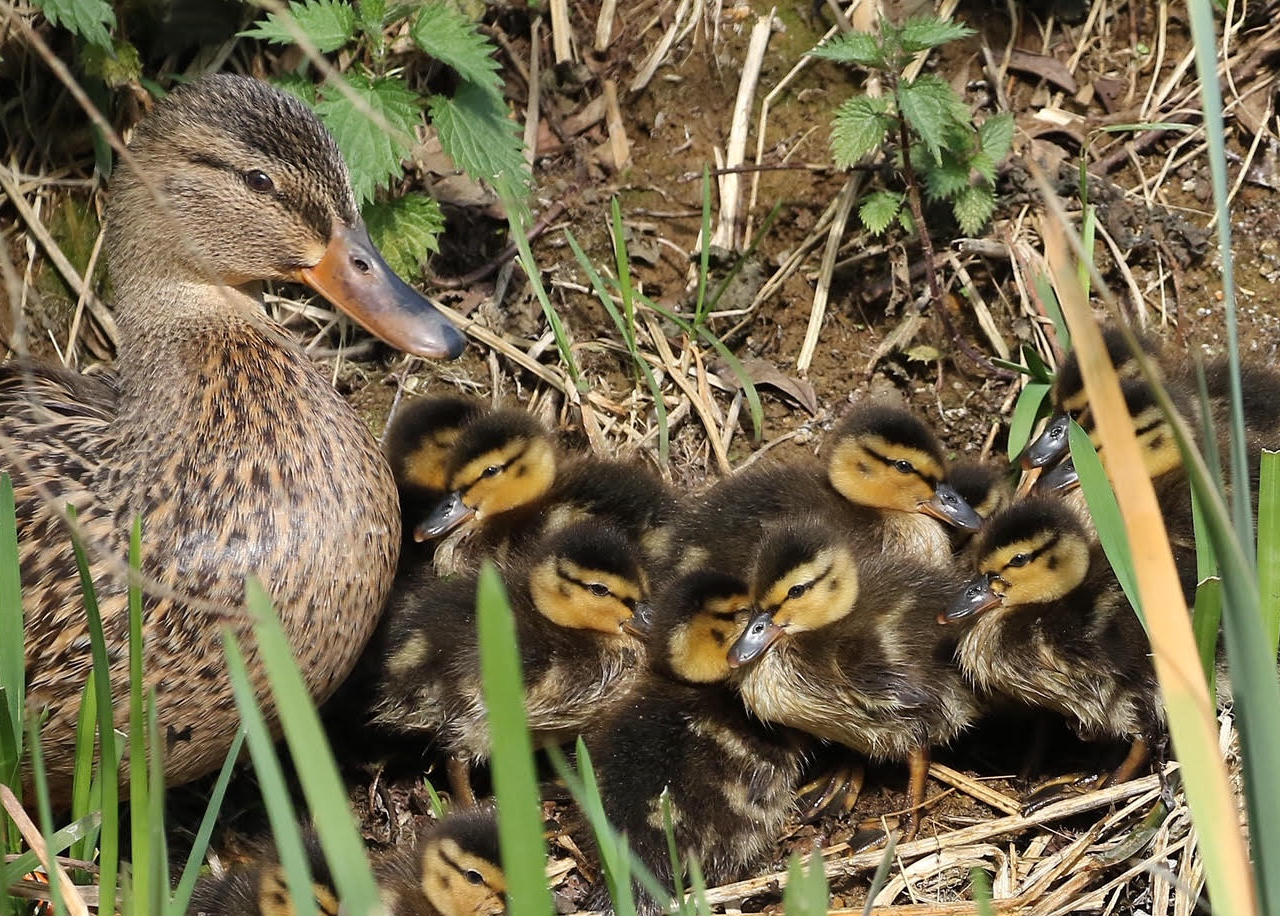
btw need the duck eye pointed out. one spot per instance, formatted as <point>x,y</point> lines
<point>474,876</point>
<point>599,589</point>
<point>904,466</point>
<point>491,470</point>
<point>1021,559</point>
<point>259,181</point>
<point>797,590</point>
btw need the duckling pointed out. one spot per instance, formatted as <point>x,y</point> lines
<point>578,600</point>
<point>868,669</point>
<point>214,427</point>
<point>418,444</point>
<point>684,731</point>
<point>985,486</point>
<point>884,485</point>
<point>454,869</point>
<point>1046,623</point>
<point>506,479</point>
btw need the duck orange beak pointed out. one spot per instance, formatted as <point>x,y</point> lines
<point>353,275</point>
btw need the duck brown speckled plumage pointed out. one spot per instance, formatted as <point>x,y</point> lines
<point>214,428</point>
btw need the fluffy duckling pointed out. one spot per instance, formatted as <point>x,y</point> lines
<point>885,485</point>
<point>985,486</point>
<point>1046,623</point>
<point>578,605</point>
<point>684,730</point>
<point>867,669</point>
<point>505,478</point>
<point>453,869</point>
<point>418,444</point>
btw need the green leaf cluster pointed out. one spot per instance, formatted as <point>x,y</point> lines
<point>956,160</point>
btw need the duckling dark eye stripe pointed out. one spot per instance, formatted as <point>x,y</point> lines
<point>1035,554</point>
<point>459,867</point>
<point>888,462</point>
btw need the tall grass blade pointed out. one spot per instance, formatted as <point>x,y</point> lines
<point>1025,413</point>
<point>743,259</point>
<point>12,671</point>
<point>806,890</point>
<point>317,770</point>
<point>524,851</point>
<point>275,793</point>
<point>1187,703</point>
<point>64,839</point>
<point>158,877</point>
<point>1269,546</point>
<point>143,862</point>
<point>82,783</point>
<point>44,810</point>
<point>881,877</point>
<point>981,891</point>
<point>704,252</point>
<point>191,871</point>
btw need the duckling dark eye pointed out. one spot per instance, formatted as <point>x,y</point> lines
<point>1021,559</point>
<point>490,471</point>
<point>259,181</point>
<point>474,876</point>
<point>599,589</point>
<point>903,465</point>
<point>797,590</point>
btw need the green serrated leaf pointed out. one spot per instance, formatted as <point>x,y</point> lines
<point>92,20</point>
<point>373,154</point>
<point>406,231</point>
<point>297,85</point>
<point>862,48</point>
<point>925,32</point>
<point>981,163</point>
<point>879,209</point>
<point>329,24</point>
<point>452,39</point>
<point>372,15</point>
<point>478,136</point>
<point>858,128</point>
<point>946,178</point>
<point>995,136</point>
<point>973,207</point>
<point>933,110</point>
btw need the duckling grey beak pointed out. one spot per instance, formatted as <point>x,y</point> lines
<point>448,514</point>
<point>1063,476</point>
<point>978,596</point>
<point>949,506</point>
<point>355,277</point>
<point>760,634</point>
<point>641,620</point>
<point>1050,445</point>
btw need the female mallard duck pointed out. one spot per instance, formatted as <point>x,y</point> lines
<point>884,485</point>
<point>1046,623</point>
<point>507,481</point>
<point>869,669</point>
<point>452,869</point>
<point>215,429</point>
<point>684,731</point>
<point>578,605</point>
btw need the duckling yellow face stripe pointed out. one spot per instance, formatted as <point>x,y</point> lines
<point>459,883</point>
<point>506,478</point>
<point>872,471</point>
<point>699,647</point>
<point>1043,567</point>
<point>813,594</point>
<point>583,599</point>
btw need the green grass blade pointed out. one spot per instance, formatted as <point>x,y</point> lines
<point>1106,514</point>
<point>524,856</point>
<point>191,871</point>
<point>743,259</point>
<point>317,770</point>
<point>1025,413</point>
<point>1049,299</point>
<point>806,890</point>
<point>158,877</point>
<point>143,863</point>
<point>12,671</point>
<point>673,851</point>
<point>275,793</point>
<point>881,877</point>
<point>699,884</point>
<point>63,840</point>
<point>704,252</point>
<point>44,809</point>
<point>1269,546</point>
<point>981,891</point>
<point>1206,619</point>
<point>82,784</point>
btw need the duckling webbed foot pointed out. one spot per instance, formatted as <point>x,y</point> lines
<point>837,794</point>
<point>459,772</point>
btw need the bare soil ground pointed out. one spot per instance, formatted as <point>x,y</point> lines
<point>1069,75</point>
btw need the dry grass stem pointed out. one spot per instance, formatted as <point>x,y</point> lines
<point>71,897</point>
<point>844,207</point>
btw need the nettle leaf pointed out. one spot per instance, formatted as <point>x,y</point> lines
<point>862,48</point>
<point>92,20</point>
<point>452,39</point>
<point>478,136</point>
<point>945,178</point>
<point>925,32</point>
<point>981,163</point>
<point>374,155</point>
<point>372,15</point>
<point>297,85</point>
<point>879,210</point>
<point>995,136</point>
<point>933,109</point>
<point>973,207</point>
<point>406,230</point>
<point>329,24</point>
<point>858,128</point>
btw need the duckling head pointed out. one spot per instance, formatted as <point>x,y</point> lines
<point>274,898</point>
<point>421,439</point>
<point>886,458</point>
<point>805,577</point>
<point>1034,552</point>
<point>255,189</point>
<point>1156,440</point>
<point>502,461</point>
<point>696,619</point>
<point>983,485</point>
<point>461,868</point>
<point>587,577</point>
<point>1072,402</point>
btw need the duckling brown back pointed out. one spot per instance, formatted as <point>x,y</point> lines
<point>453,869</point>
<point>684,730</point>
